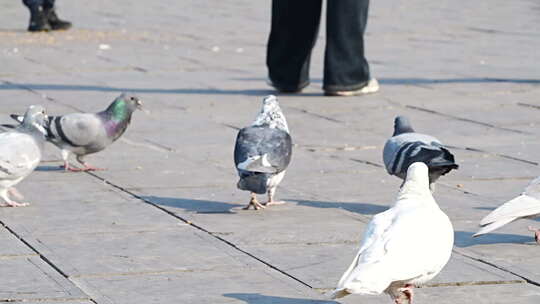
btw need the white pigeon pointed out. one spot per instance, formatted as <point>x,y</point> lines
<point>263,152</point>
<point>406,147</point>
<point>526,205</point>
<point>403,247</point>
<point>20,153</point>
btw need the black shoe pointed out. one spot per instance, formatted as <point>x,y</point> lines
<point>287,89</point>
<point>38,21</point>
<point>56,23</point>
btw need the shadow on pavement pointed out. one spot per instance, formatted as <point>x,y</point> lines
<point>362,208</point>
<point>193,205</point>
<point>256,298</point>
<point>50,168</point>
<point>65,87</point>
<point>464,238</point>
<point>412,80</point>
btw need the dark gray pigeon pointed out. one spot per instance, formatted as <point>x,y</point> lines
<point>20,153</point>
<point>406,147</point>
<point>87,133</point>
<point>263,152</point>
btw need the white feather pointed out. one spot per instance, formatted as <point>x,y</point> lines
<point>408,244</point>
<point>523,206</point>
<point>257,163</point>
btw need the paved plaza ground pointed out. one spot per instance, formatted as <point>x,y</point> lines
<point>163,223</point>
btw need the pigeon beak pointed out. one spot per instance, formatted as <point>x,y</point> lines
<point>140,107</point>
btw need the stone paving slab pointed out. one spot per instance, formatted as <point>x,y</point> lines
<point>31,278</point>
<point>11,246</point>
<point>199,66</point>
<point>205,287</point>
<point>502,293</point>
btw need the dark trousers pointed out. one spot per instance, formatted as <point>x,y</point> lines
<point>46,4</point>
<point>295,25</point>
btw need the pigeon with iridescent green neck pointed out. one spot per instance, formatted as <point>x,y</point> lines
<point>86,133</point>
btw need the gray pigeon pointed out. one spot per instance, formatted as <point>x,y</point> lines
<point>406,147</point>
<point>526,205</point>
<point>263,152</point>
<point>87,133</point>
<point>20,153</point>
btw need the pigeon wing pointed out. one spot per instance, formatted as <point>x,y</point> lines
<point>262,149</point>
<point>397,246</point>
<point>76,129</point>
<point>523,206</point>
<point>19,155</point>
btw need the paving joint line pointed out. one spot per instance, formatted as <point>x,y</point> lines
<point>44,258</point>
<point>494,153</point>
<point>56,300</point>
<point>495,266</point>
<point>467,120</point>
<point>234,246</point>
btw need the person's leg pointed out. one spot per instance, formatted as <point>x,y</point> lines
<point>55,22</point>
<point>295,24</point>
<point>345,67</point>
<point>38,20</point>
<point>48,4</point>
<point>32,3</point>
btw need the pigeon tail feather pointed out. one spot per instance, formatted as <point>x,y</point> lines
<point>17,117</point>
<point>253,181</point>
<point>494,225</point>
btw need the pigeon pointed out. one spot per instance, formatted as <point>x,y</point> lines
<point>526,205</point>
<point>86,133</point>
<point>20,153</point>
<point>406,147</point>
<point>404,246</point>
<point>263,152</point>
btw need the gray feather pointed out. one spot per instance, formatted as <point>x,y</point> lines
<point>406,147</point>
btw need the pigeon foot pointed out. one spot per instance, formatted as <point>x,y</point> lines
<point>85,169</point>
<point>536,234</point>
<point>255,203</point>
<point>270,203</point>
<point>14,204</point>
<point>408,292</point>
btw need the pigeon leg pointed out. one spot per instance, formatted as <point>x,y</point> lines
<point>9,202</point>
<point>536,234</point>
<point>66,165</point>
<point>271,201</point>
<point>408,292</point>
<point>87,167</point>
<point>13,191</point>
<point>254,202</point>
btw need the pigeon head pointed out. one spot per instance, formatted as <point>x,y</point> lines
<point>402,125</point>
<point>35,118</point>
<point>123,106</point>
<point>271,115</point>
